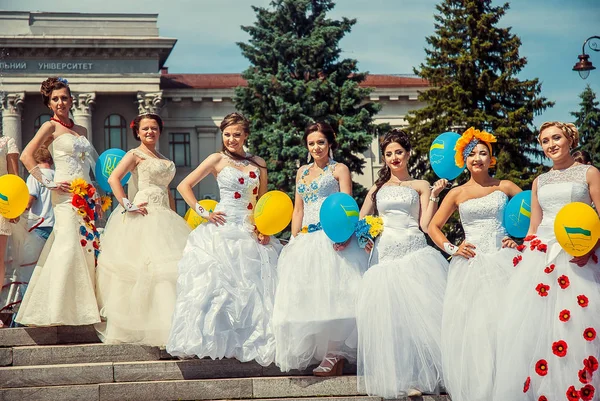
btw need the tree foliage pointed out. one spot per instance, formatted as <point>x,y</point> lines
<point>587,120</point>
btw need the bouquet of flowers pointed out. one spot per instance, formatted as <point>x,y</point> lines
<point>367,229</point>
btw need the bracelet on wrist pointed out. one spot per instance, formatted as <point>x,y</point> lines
<point>434,198</point>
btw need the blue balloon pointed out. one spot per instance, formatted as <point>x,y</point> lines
<point>441,156</point>
<point>339,214</point>
<point>517,214</point>
<point>105,165</point>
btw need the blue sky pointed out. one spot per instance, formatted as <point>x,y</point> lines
<point>389,37</point>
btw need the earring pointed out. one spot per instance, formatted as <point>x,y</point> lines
<point>308,157</point>
<point>331,154</point>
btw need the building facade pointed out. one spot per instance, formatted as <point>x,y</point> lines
<point>115,65</point>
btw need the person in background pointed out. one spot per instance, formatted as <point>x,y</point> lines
<point>583,157</point>
<point>41,214</point>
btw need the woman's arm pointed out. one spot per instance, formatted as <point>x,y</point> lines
<point>536,210</point>
<point>428,206</point>
<point>298,213</point>
<point>368,206</point>
<point>342,174</point>
<point>43,136</point>
<point>126,165</point>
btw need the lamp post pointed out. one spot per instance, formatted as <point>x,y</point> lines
<point>583,66</point>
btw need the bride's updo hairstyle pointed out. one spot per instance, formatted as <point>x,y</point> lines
<point>569,131</point>
<point>52,84</point>
<point>401,138</point>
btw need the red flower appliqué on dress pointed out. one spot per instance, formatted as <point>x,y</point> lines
<point>517,259</point>
<point>237,195</point>
<point>543,398</point>
<point>591,363</point>
<point>529,238</point>
<point>542,248</point>
<point>250,207</point>
<point>533,244</point>
<point>563,281</point>
<point>526,384</point>
<point>252,174</point>
<point>549,269</point>
<point>521,247</point>
<point>583,301</point>
<point>541,367</point>
<point>542,289</point>
<point>589,334</point>
<point>255,191</point>
<point>241,180</point>
<point>564,315</point>
<point>572,394</point>
<point>584,376</point>
<point>559,348</point>
<point>587,392</point>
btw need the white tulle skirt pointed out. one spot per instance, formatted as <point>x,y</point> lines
<point>543,349</point>
<point>399,317</point>
<point>225,294</point>
<point>137,274</point>
<point>315,303</point>
<point>472,307</point>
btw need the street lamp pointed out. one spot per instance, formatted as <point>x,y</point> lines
<point>583,66</point>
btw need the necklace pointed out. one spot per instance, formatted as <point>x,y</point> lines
<point>69,126</point>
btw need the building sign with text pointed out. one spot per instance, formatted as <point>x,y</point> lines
<point>78,66</point>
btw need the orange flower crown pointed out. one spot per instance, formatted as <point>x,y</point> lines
<point>468,140</point>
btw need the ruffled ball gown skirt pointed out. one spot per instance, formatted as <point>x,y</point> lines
<point>137,275</point>
<point>315,302</point>
<point>225,294</point>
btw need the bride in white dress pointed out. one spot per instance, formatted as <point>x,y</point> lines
<point>314,317</point>
<point>548,349</point>
<point>479,271</point>
<point>399,307</point>
<point>227,275</point>
<point>141,245</point>
<point>61,290</point>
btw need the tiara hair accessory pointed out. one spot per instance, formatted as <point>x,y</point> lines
<point>62,80</point>
<point>467,142</point>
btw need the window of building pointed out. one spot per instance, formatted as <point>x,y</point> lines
<point>42,118</point>
<point>179,149</point>
<point>115,132</point>
<point>180,205</point>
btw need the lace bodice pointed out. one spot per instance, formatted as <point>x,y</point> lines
<point>399,208</point>
<point>482,219</point>
<point>314,193</point>
<point>238,191</point>
<point>557,188</point>
<point>7,146</point>
<point>73,157</point>
<point>150,180</point>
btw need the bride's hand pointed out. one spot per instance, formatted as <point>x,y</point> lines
<point>508,242</point>
<point>217,218</point>
<point>369,247</point>
<point>263,239</point>
<point>342,245</point>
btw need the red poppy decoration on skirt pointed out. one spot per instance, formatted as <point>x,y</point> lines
<point>584,376</point>
<point>559,348</point>
<point>549,269</point>
<point>534,243</point>
<point>541,367</point>
<point>517,259</point>
<point>521,247</point>
<point>241,180</point>
<point>589,334</point>
<point>564,315</point>
<point>587,392</point>
<point>591,363</point>
<point>237,195</point>
<point>563,281</point>
<point>252,174</point>
<point>572,394</point>
<point>526,384</point>
<point>543,398</point>
<point>250,207</point>
<point>529,238</point>
<point>583,301</point>
<point>542,248</point>
<point>542,289</point>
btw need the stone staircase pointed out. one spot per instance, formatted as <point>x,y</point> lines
<point>69,363</point>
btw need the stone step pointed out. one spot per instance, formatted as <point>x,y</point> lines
<point>161,370</point>
<point>256,389</point>
<point>47,335</point>
<point>82,353</point>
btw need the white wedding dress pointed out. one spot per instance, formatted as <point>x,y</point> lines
<point>474,297</point>
<point>399,307</point>
<point>62,288</point>
<point>548,347</point>
<point>226,283</point>
<point>137,269</point>
<point>315,302</point>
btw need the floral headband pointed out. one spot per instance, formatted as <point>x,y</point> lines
<point>62,80</point>
<point>467,142</point>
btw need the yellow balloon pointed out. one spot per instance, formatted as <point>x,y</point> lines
<point>273,212</point>
<point>14,196</point>
<point>193,219</point>
<point>577,228</point>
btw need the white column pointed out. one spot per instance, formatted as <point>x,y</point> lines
<point>83,104</point>
<point>12,105</point>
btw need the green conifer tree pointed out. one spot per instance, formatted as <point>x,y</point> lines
<point>588,124</point>
<point>297,77</point>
